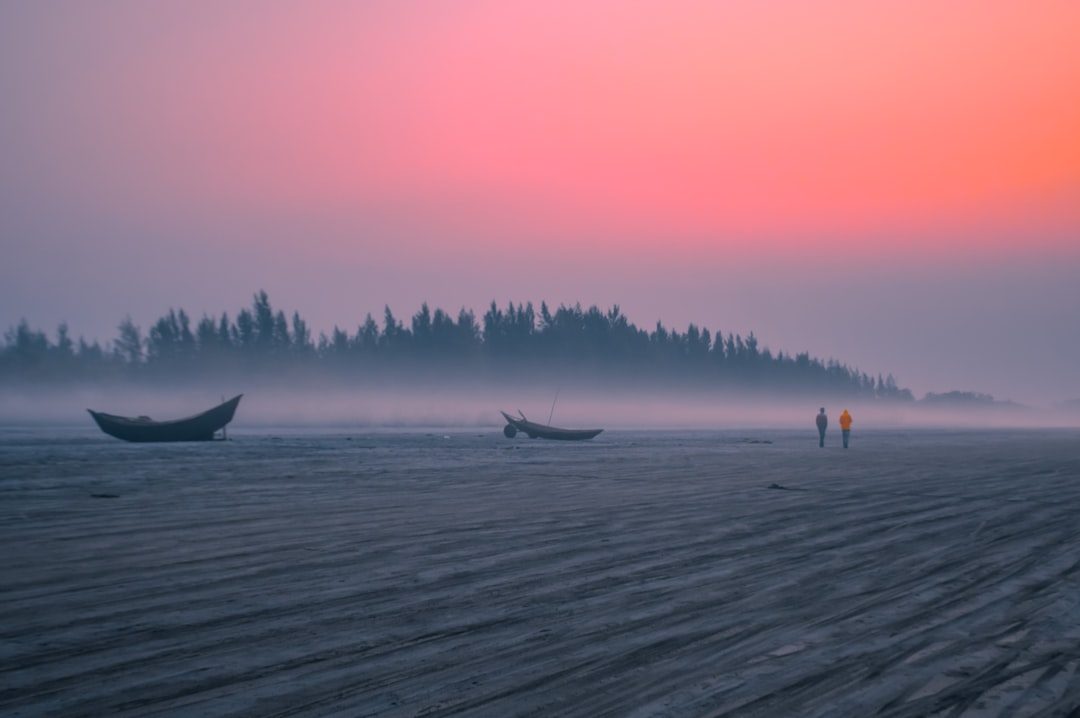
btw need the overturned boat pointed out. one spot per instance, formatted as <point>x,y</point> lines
<point>201,427</point>
<point>543,431</point>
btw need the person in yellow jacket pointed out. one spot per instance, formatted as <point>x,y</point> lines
<point>845,426</point>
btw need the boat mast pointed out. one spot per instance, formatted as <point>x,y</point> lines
<point>553,406</point>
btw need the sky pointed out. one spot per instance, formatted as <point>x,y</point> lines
<point>894,184</point>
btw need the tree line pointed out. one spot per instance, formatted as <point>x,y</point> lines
<point>262,339</point>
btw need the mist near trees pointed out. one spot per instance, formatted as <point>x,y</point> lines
<point>568,343</point>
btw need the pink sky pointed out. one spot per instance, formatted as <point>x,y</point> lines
<point>682,159</point>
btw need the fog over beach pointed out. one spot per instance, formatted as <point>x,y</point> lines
<point>461,405</point>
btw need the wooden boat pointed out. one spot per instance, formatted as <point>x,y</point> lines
<point>201,427</point>
<point>534,430</point>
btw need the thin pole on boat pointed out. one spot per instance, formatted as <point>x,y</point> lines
<point>553,406</point>
<point>224,436</point>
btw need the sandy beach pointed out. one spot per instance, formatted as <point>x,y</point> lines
<point>455,572</point>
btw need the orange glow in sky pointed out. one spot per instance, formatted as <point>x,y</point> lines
<point>892,182</point>
<point>703,123</point>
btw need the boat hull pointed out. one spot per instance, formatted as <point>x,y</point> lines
<point>543,431</point>
<point>201,427</point>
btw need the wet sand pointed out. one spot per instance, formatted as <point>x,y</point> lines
<point>460,573</point>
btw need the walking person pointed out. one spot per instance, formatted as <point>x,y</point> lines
<point>822,424</point>
<point>845,426</point>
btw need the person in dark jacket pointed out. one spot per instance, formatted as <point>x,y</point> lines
<point>822,424</point>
